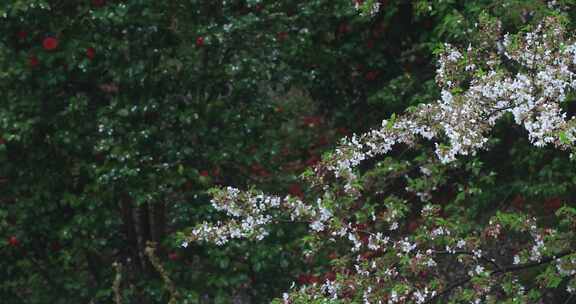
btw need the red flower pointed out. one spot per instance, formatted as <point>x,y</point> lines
<point>204,173</point>
<point>22,35</point>
<point>33,61</point>
<point>200,41</point>
<point>50,43</point>
<point>174,256</point>
<point>90,53</point>
<point>98,3</point>
<point>13,241</point>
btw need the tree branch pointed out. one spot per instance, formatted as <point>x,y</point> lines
<point>462,252</point>
<point>501,270</point>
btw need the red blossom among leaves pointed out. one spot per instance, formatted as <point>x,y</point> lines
<point>50,43</point>
<point>33,61</point>
<point>423,274</point>
<point>204,173</point>
<point>22,35</point>
<point>90,53</point>
<point>174,256</point>
<point>200,41</point>
<point>13,241</point>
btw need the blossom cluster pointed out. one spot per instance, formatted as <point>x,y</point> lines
<point>460,121</point>
<point>251,212</point>
<point>526,77</point>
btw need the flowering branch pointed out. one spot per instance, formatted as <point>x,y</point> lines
<point>383,264</point>
<point>500,271</point>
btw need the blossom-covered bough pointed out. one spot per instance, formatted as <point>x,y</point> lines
<point>525,77</point>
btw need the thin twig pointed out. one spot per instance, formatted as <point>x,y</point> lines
<point>462,252</point>
<point>117,283</point>
<point>168,284</point>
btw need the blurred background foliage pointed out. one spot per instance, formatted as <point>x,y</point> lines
<point>116,116</point>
